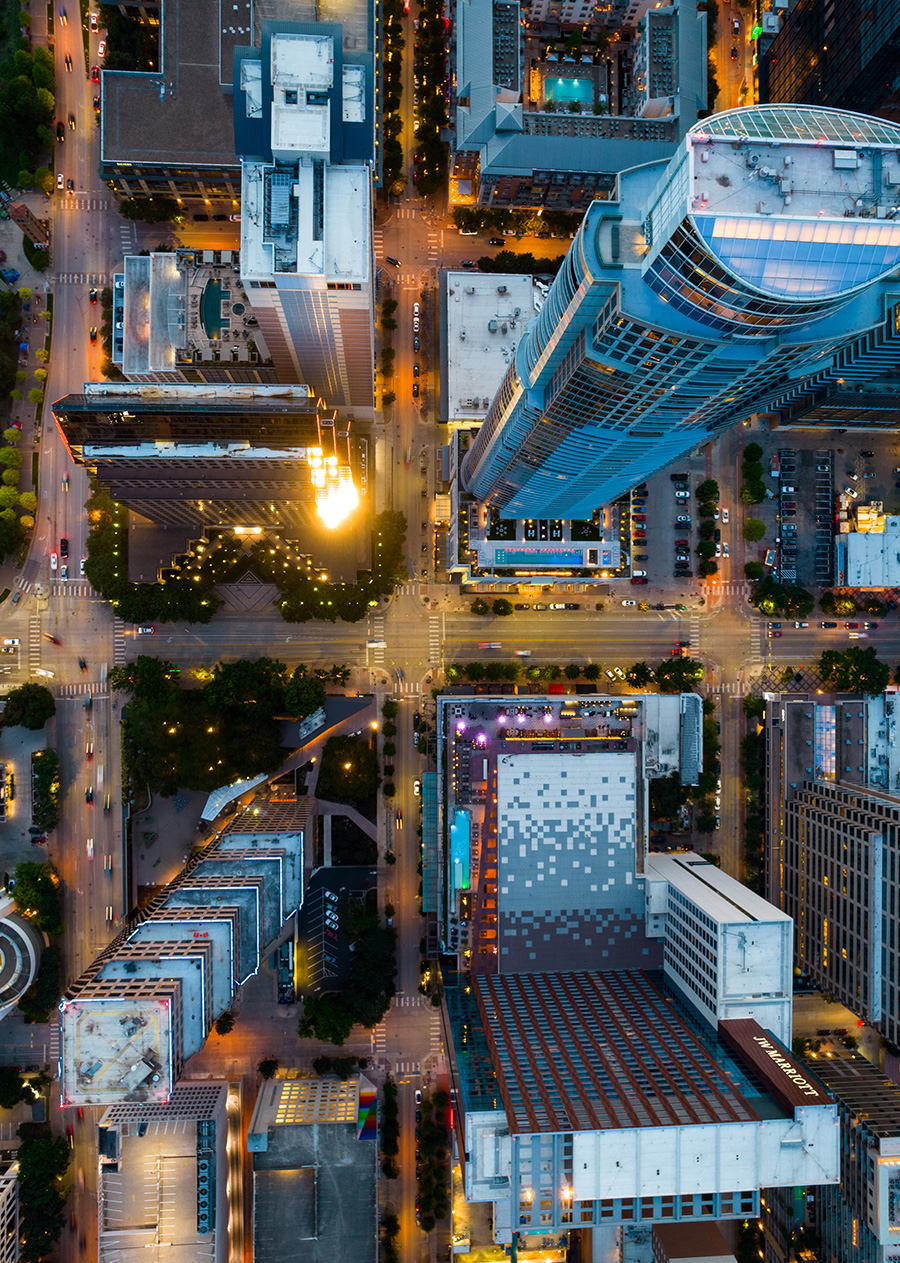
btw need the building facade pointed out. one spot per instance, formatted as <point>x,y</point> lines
<point>10,1245</point>
<point>304,127</point>
<point>149,1000</point>
<point>715,287</point>
<point>213,456</point>
<point>833,845</point>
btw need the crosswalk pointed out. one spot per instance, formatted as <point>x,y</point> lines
<point>378,242</point>
<point>434,248</point>
<point>730,686</point>
<point>80,690</point>
<point>757,638</point>
<point>34,643</point>
<point>407,1067</point>
<point>733,588</point>
<point>409,688</point>
<point>409,589</point>
<point>127,236</point>
<point>376,636</point>
<point>437,1043</point>
<point>414,1001</point>
<point>63,587</point>
<point>81,278</point>
<point>379,1038</point>
<point>118,643</point>
<point>695,636</point>
<point>81,203</point>
<point>435,638</point>
<point>407,212</point>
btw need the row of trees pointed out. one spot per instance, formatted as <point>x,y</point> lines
<point>786,599</point>
<point>27,104</point>
<point>390,1131</point>
<point>367,996</point>
<point>45,789</point>
<point>672,675</point>
<point>393,44</point>
<point>753,490</point>
<point>38,896</point>
<point>28,706</point>
<point>509,261</point>
<point>43,1160</point>
<point>434,1148</point>
<point>486,219</point>
<point>707,494</point>
<point>846,604</point>
<point>855,670</point>
<point>201,738</point>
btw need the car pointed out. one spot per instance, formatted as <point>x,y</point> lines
<point>734,53</point>
<point>82,666</point>
<point>717,536</point>
<point>89,796</point>
<point>72,122</point>
<point>828,625</point>
<point>639,580</point>
<point>11,640</point>
<point>415,324</point>
<point>101,49</point>
<point>92,295</point>
<point>220,219</point>
<point>823,469</point>
<point>642,556</point>
<point>96,104</point>
<point>93,333</point>
<point>639,517</point>
<point>63,546</point>
<point>776,625</point>
<point>60,181</point>
<point>570,605</point>
<point>789,504</point>
<point>64,21</point>
<point>679,477</point>
<point>53,640</point>
<point>725,517</point>
<point>788,512</point>
<point>468,263</point>
<point>735,26</point>
<point>17,598</point>
<point>145,631</point>
<point>415,309</point>
<point>682,543</point>
<point>70,185</point>
<point>629,602</point>
<point>718,550</point>
<point>415,344</point>
<point>417,788</point>
<point>89,751</point>
<point>94,23</point>
<point>415,739</point>
<point>724,550</point>
<point>95,74</point>
<point>234,219</point>
<point>200,219</point>
<point>521,607</point>
<point>390,259</point>
<point>557,606</point>
<point>870,626</point>
<point>64,572</point>
<point>610,675</point>
<point>415,370</point>
<point>867,452</point>
<point>796,624</point>
<point>775,635</point>
<point>107,802</point>
<point>89,847</point>
<point>683,518</point>
<point>639,574</point>
<point>682,495</point>
<point>852,626</point>
<point>539,605</point>
<point>718,823</point>
<point>68,63</point>
<point>54,561</point>
<point>415,390</point>
<point>496,241</point>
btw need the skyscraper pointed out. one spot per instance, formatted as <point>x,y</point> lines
<point>752,265</point>
<point>304,127</point>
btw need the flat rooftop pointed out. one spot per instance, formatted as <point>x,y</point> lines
<point>486,316</point>
<point>109,1048</point>
<point>869,559</point>
<point>182,116</point>
<point>587,1051</point>
<point>712,890</point>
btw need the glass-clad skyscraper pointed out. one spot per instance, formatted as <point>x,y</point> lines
<point>759,260</point>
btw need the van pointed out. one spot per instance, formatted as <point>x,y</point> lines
<point>787,491</point>
<point>639,574</point>
<point>42,671</point>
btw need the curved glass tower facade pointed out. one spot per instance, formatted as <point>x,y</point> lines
<point>714,285</point>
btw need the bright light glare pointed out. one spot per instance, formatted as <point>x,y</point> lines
<point>337,501</point>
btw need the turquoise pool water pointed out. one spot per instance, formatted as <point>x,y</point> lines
<point>565,89</point>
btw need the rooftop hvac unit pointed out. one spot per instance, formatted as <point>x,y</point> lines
<point>704,155</point>
<point>501,289</point>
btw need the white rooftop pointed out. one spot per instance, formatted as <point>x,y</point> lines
<point>869,559</point>
<point>116,1048</point>
<point>487,314</point>
<point>722,898</point>
<point>302,73</point>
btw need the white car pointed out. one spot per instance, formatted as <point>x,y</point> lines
<point>60,181</point>
<point>90,848</point>
<point>11,640</point>
<point>724,515</point>
<point>145,631</point>
<point>619,673</point>
<point>629,602</point>
<point>417,788</point>
<point>81,565</point>
<point>415,309</point>
<point>718,550</point>
<point>54,561</point>
<point>415,324</point>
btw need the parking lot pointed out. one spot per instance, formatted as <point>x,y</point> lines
<point>805,513</point>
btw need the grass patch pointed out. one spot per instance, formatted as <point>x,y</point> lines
<point>4,594</point>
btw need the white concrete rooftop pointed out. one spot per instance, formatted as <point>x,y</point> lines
<point>115,1049</point>
<point>487,315</point>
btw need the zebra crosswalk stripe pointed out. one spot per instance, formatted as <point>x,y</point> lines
<point>118,643</point>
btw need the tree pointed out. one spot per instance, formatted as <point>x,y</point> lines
<point>255,684</point>
<point>592,671</point>
<point>303,696</point>
<point>752,471</point>
<point>10,478</point>
<point>706,549</point>
<point>754,529</point>
<point>705,821</point>
<point>11,457</point>
<point>753,451</point>
<point>677,675</point>
<point>36,395</point>
<point>12,1088</point>
<point>388,398</point>
<point>326,1019</point>
<point>42,1160</point>
<point>28,706</point>
<point>707,490</point>
<point>9,497</point>
<point>856,670</point>
<point>753,493</point>
<point>28,500</point>
<point>552,672</point>
<point>707,529</point>
<point>349,771</point>
<point>501,607</point>
<point>225,1023</point>
<point>639,674</point>
<point>753,707</point>
<point>40,374</point>
<point>12,435</point>
<point>37,895</point>
<point>479,606</point>
<point>707,568</point>
<point>268,1067</point>
<point>572,671</point>
<point>753,570</point>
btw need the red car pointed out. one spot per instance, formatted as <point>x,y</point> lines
<point>95,74</point>
<point>636,580</point>
<point>852,626</point>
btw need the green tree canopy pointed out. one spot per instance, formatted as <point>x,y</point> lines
<point>37,895</point>
<point>639,674</point>
<point>43,1161</point>
<point>754,529</point>
<point>303,696</point>
<point>707,490</point>
<point>28,706</point>
<point>753,451</point>
<point>855,670</point>
<point>502,607</point>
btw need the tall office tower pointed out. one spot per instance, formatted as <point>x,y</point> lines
<point>148,1002</point>
<point>858,1220</point>
<point>840,54</point>
<point>718,286</point>
<point>207,456</point>
<point>833,844</point>
<point>619,1021</point>
<point>304,127</point>
<point>10,1241</point>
